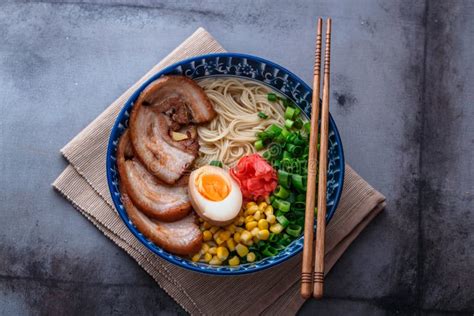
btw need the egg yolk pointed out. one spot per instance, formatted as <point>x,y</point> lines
<point>212,186</point>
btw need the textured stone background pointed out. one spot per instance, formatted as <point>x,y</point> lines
<point>402,96</point>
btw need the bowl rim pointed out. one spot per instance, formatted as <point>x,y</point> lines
<point>133,98</point>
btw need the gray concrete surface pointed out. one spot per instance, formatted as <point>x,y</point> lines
<point>402,97</point>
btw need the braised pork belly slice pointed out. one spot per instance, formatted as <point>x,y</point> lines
<point>181,237</point>
<point>169,106</point>
<point>153,197</point>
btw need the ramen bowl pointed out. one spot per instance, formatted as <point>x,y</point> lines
<point>245,67</point>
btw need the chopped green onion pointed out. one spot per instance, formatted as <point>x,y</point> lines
<point>281,205</point>
<point>294,149</point>
<point>277,164</point>
<point>298,123</point>
<point>286,155</point>
<point>307,127</point>
<point>284,178</point>
<point>274,130</point>
<point>291,138</point>
<point>289,113</point>
<point>289,123</point>
<point>279,247</point>
<point>262,115</point>
<point>300,221</point>
<point>273,237</point>
<point>287,103</point>
<point>283,220</point>
<point>271,97</point>
<point>292,198</point>
<point>285,240</point>
<point>266,155</point>
<point>297,112</point>
<point>297,181</point>
<point>259,145</point>
<point>280,139</point>
<point>216,163</point>
<point>272,198</point>
<point>269,251</point>
<point>293,230</point>
<point>261,135</point>
<point>300,141</point>
<point>281,192</point>
<point>301,198</point>
<point>285,132</point>
<point>299,205</point>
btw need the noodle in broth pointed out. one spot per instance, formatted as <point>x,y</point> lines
<point>232,133</point>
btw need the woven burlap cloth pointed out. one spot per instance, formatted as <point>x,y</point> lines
<point>271,291</point>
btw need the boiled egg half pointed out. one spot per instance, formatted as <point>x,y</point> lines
<point>215,196</point>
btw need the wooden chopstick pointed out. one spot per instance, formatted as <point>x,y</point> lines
<point>323,164</point>
<point>307,267</point>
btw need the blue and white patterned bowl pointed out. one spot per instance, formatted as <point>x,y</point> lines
<point>247,67</point>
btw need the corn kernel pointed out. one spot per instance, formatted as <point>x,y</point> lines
<point>269,210</point>
<point>206,235</point>
<point>206,225</point>
<point>204,248</point>
<point>237,237</point>
<point>271,219</point>
<point>225,235</point>
<point>212,250</point>
<point>230,228</point>
<point>251,210</point>
<point>234,261</point>
<point>249,242</point>
<point>196,257</point>
<point>215,261</point>
<point>239,221</point>
<point>230,244</point>
<point>245,236</point>
<point>276,228</point>
<point>251,225</point>
<point>262,206</point>
<point>257,215</point>
<point>222,237</point>
<point>263,224</point>
<point>211,243</point>
<point>207,257</point>
<point>239,229</point>
<point>249,218</point>
<point>213,229</point>
<point>241,250</point>
<point>216,234</point>
<point>254,231</point>
<point>250,204</point>
<point>263,234</point>
<point>222,253</point>
<point>251,257</point>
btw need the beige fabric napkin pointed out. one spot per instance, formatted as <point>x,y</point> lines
<point>84,184</point>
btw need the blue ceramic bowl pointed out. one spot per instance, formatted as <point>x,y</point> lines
<point>247,67</point>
